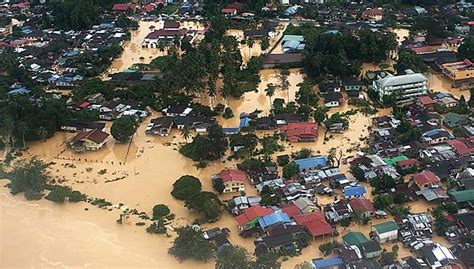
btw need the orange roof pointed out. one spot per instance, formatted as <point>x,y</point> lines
<point>361,204</point>
<point>426,100</point>
<point>291,210</point>
<point>232,175</point>
<point>314,223</point>
<point>252,213</point>
<point>427,177</point>
<point>96,136</point>
<point>460,147</point>
<point>300,129</point>
<point>407,162</point>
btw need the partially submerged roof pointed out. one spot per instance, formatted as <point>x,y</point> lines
<point>385,227</point>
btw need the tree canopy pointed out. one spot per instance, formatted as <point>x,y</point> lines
<point>29,176</point>
<point>190,244</point>
<point>185,187</point>
<point>123,128</point>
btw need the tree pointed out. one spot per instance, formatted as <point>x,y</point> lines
<point>58,194</point>
<point>319,115</point>
<point>358,173</point>
<point>441,222</point>
<point>207,148</point>
<point>250,44</point>
<point>185,133</point>
<point>267,260</point>
<point>466,49</point>
<point>385,182</point>
<point>345,222</point>
<point>29,176</point>
<point>265,44</point>
<point>306,95</point>
<point>410,60</point>
<point>160,211</point>
<point>382,202</point>
<point>123,129</point>
<point>290,170</point>
<point>218,185</point>
<point>328,247</point>
<point>269,196</point>
<point>335,156</point>
<point>206,203</point>
<point>270,92</point>
<point>231,257</point>
<point>190,244</point>
<point>185,187</point>
<point>284,83</point>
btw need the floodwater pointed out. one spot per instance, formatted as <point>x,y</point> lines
<point>133,52</point>
<point>140,175</point>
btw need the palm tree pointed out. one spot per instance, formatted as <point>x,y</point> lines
<point>285,84</point>
<point>22,127</point>
<point>250,44</point>
<point>186,133</point>
<point>7,130</point>
<point>264,44</point>
<point>42,133</point>
<point>270,92</point>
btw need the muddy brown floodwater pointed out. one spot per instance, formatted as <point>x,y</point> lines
<point>44,234</point>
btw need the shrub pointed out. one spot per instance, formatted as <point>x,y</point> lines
<point>160,211</point>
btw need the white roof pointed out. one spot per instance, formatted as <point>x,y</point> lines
<point>401,80</point>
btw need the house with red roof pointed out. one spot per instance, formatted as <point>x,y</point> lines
<point>373,14</point>
<point>300,131</point>
<point>363,206</point>
<point>425,102</point>
<point>407,164</point>
<point>231,9</point>
<point>463,147</point>
<point>249,218</point>
<point>315,224</point>
<point>291,210</point>
<point>426,180</point>
<point>89,141</point>
<point>233,180</point>
<point>124,7</point>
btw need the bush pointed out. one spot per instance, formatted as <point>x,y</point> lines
<point>228,113</point>
<point>160,211</point>
<point>77,196</point>
<point>218,185</point>
<point>58,194</point>
<point>157,227</point>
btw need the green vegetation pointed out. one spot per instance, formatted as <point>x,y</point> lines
<point>218,185</point>
<point>270,196</point>
<point>185,187</point>
<point>466,50</point>
<point>190,244</point>
<point>290,170</point>
<point>340,55</point>
<point>206,148</point>
<point>206,203</point>
<point>123,129</point>
<point>407,59</point>
<point>160,211</point>
<point>231,257</point>
<point>328,247</point>
<point>29,176</point>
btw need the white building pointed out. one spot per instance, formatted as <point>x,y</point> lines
<point>406,87</point>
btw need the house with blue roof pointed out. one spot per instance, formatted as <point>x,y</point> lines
<point>273,219</point>
<point>354,191</point>
<point>312,163</point>
<point>18,90</point>
<point>244,122</point>
<point>331,263</point>
<point>436,136</point>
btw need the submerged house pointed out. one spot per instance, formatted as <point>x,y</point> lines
<point>300,131</point>
<point>89,141</point>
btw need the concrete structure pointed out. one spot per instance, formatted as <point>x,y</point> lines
<point>459,72</point>
<point>407,88</point>
<point>385,232</point>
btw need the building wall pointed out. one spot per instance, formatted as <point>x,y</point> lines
<point>407,93</point>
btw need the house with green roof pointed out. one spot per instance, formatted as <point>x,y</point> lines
<point>462,198</point>
<point>453,120</point>
<point>393,161</point>
<point>385,232</point>
<point>354,239</point>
